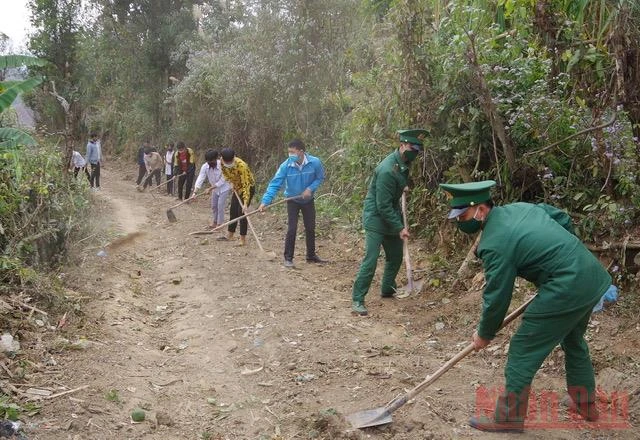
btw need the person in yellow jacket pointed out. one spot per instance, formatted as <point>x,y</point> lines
<point>184,166</point>
<point>239,175</point>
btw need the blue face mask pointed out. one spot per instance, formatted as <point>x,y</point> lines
<point>293,157</point>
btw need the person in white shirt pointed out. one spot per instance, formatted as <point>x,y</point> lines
<point>78,163</point>
<point>220,188</point>
<point>168,167</point>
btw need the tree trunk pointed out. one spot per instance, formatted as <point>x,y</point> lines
<point>625,45</point>
<point>68,147</point>
<point>491,111</point>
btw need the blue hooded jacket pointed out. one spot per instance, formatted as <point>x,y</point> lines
<point>295,180</point>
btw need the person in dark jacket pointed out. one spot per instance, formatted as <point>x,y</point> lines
<point>142,168</point>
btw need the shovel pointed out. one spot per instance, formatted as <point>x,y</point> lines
<point>382,415</point>
<point>211,231</point>
<point>270,255</point>
<point>171,216</point>
<point>412,286</point>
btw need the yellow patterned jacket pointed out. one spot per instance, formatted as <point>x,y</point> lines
<point>241,177</point>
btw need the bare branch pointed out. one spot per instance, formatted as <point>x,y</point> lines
<point>581,132</point>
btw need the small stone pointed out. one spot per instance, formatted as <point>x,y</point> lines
<point>439,326</point>
<point>163,419</point>
<point>81,344</point>
<point>8,344</point>
<point>138,415</point>
<point>176,281</point>
<point>305,377</point>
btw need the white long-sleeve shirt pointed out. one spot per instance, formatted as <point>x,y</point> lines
<point>168,160</point>
<point>215,178</point>
<point>77,160</point>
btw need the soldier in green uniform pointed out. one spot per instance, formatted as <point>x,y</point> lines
<point>537,243</point>
<point>382,218</point>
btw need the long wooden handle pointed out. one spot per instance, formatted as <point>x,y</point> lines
<point>397,403</point>
<point>187,200</point>
<point>403,204</point>
<point>405,245</point>
<point>160,186</point>
<point>253,231</point>
<point>211,231</point>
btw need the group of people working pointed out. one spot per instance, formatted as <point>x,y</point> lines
<point>230,177</point>
<point>535,242</point>
<point>93,160</point>
<point>179,162</point>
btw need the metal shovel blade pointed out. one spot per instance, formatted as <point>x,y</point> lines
<point>171,216</point>
<point>369,417</point>
<point>405,292</point>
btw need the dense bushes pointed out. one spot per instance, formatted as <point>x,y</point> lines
<point>39,209</point>
<point>540,96</point>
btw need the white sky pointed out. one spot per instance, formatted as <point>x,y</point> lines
<point>15,22</point>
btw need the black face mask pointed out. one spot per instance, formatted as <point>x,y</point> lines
<point>410,155</point>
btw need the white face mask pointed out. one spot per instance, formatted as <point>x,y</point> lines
<point>228,165</point>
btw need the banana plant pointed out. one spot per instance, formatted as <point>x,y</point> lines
<point>11,138</point>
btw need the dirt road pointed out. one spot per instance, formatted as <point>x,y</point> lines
<point>214,342</point>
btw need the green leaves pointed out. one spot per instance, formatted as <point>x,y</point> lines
<point>9,61</point>
<point>11,93</point>
<point>11,138</point>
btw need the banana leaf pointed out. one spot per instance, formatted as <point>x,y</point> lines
<point>10,94</point>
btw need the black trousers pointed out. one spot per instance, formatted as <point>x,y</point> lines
<point>185,182</point>
<point>235,211</point>
<point>142,170</point>
<point>169,184</point>
<point>309,220</point>
<point>155,173</point>
<point>94,179</point>
<point>86,172</point>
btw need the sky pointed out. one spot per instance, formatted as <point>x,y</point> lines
<point>15,22</point>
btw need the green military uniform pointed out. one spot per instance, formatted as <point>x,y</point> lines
<point>382,221</point>
<point>537,243</point>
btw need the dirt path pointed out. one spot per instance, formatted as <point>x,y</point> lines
<point>217,343</point>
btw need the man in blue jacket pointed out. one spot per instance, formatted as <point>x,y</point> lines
<point>94,157</point>
<point>300,175</point>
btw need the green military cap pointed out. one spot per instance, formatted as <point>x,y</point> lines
<point>413,136</point>
<point>464,195</point>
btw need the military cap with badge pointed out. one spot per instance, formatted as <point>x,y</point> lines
<point>463,196</point>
